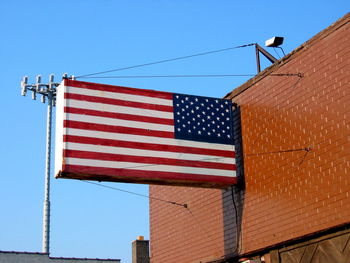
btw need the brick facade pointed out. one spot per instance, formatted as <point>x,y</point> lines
<point>296,144</point>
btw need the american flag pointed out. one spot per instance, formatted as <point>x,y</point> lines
<point>113,133</point>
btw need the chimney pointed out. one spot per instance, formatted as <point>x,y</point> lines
<point>140,250</point>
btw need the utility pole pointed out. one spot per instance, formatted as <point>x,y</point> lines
<point>47,92</point>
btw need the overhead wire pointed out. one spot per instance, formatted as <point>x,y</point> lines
<point>164,61</point>
<point>192,76</point>
<point>173,76</point>
<point>134,193</point>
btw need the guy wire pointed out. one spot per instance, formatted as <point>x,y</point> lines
<point>165,60</point>
<point>130,192</point>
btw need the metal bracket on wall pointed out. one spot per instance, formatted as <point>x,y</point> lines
<point>259,49</point>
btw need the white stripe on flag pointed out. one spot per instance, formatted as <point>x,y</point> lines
<point>119,96</point>
<point>148,167</point>
<point>117,109</point>
<point>148,139</point>
<point>118,122</point>
<point>147,153</point>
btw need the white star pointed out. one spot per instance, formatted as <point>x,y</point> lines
<point>227,119</point>
<point>203,120</point>
<point>196,99</point>
<point>186,98</point>
<point>203,128</point>
<point>192,111</point>
<point>208,117</point>
<point>199,132</point>
<point>223,131</point>
<point>178,113</point>
<point>178,129</point>
<point>186,106</point>
<point>218,118</point>
<point>217,101</point>
<point>182,117</point>
<point>203,112</point>
<point>178,120</point>
<point>198,115</point>
<point>221,106</point>
<point>188,122</point>
<point>209,133</point>
<point>202,104</point>
<point>228,136</point>
<point>183,125</point>
<point>227,110</point>
<point>222,114</point>
<point>191,103</point>
<point>182,101</point>
<point>178,104</point>
<point>217,109</point>
<point>177,96</point>
<point>206,100</point>
<point>219,135</point>
<point>189,131</point>
<point>183,109</point>
<point>226,102</point>
<point>197,107</point>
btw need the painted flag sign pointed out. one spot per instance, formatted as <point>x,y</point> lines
<point>120,134</point>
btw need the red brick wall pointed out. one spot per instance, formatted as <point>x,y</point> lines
<point>289,192</point>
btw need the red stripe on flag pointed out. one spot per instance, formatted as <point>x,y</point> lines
<point>148,146</point>
<point>116,129</point>
<point>118,174</point>
<point>118,89</point>
<point>153,161</point>
<point>125,103</point>
<point>121,116</point>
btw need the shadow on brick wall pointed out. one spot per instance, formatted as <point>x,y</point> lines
<point>233,197</point>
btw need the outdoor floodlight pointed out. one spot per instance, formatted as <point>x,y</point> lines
<point>274,42</point>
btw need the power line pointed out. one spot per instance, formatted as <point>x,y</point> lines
<point>165,60</point>
<point>130,192</point>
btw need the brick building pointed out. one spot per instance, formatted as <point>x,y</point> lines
<point>292,203</point>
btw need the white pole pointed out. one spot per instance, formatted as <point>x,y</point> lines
<point>46,212</point>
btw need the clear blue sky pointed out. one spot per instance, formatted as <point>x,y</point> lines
<point>85,36</point>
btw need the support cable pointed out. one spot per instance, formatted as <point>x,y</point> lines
<point>130,192</point>
<point>165,60</point>
<point>194,76</point>
<point>306,149</point>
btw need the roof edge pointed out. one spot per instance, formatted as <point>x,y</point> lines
<point>321,35</point>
